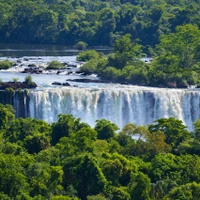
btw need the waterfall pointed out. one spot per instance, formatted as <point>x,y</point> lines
<point>138,105</point>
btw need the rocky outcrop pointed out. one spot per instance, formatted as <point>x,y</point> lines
<point>17,85</point>
<point>58,83</point>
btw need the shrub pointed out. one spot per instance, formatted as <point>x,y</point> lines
<point>81,45</point>
<point>15,80</point>
<point>90,67</point>
<point>55,65</point>
<point>87,55</point>
<point>10,91</point>
<point>5,64</point>
<point>28,80</point>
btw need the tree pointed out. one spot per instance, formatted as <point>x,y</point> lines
<point>6,115</point>
<point>90,67</point>
<point>190,191</point>
<point>174,130</point>
<point>13,181</point>
<point>85,175</point>
<point>88,55</point>
<point>139,186</point>
<point>65,125</point>
<point>105,129</point>
<point>177,52</point>
<point>55,65</point>
<point>197,130</point>
<point>126,52</point>
<point>117,169</point>
<point>44,26</point>
<point>32,134</point>
<point>83,140</point>
<point>111,73</point>
<point>45,180</point>
<point>169,171</point>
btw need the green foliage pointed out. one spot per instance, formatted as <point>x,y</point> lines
<point>10,91</point>
<point>83,139</point>
<point>169,171</point>
<point>190,191</point>
<point>90,66</point>
<point>15,80</point>
<point>65,125</point>
<point>96,197</point>
<point>117,169</point>
<point>28,80</point>
<point>97,23</point>
<point>32,134</point>
<point>175,65</point>
<point>6,115</point>
<point>12,179</point>
<point>136,73</point>
<point>45,180</point>
<point>84,173</point>
<point>139,186</point>
<point>88,55</point>
<point>5,64</point>
<point>125,52</point>
<point>97,163</point>
<point>120,193</point>
<point>63,198</point>
<point>174,130</point>
<point>55,65</point>
<point>111,73</point>
<point>105,129</point>
<point>178,56</point>
<point>81,45</point>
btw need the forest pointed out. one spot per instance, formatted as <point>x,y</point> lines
<point>70,160</point>
<point>176,61</point>
<point>96,23</point>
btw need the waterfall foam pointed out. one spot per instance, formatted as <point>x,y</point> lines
<point>137,105</point>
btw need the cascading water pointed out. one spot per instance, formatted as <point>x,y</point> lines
<point>139,105</point>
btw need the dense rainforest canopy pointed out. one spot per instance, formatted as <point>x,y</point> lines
<point>68,159</point>
<point>176,61</point>
<point>98,22</point>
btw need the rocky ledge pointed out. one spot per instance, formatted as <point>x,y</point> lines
<point>84,80</point>
<point>17,85</point>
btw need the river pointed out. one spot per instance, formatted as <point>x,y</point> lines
<point>118,103</point>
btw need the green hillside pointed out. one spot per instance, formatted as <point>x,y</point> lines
<point>93,22</point>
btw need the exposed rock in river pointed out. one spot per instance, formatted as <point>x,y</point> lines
<point>17,85</point>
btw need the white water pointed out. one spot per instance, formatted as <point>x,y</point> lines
<point>89,101</point>
<point>121,105</point>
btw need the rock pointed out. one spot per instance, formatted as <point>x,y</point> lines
<point>66,84</point>
<point>33,70</point>
<point>32,65</point>
<point>17,85</point>
<point>172,84</point>
<point>88,80</point>
<point>56,83</point>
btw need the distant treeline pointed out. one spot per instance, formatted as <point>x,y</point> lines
<point>93,22</point>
